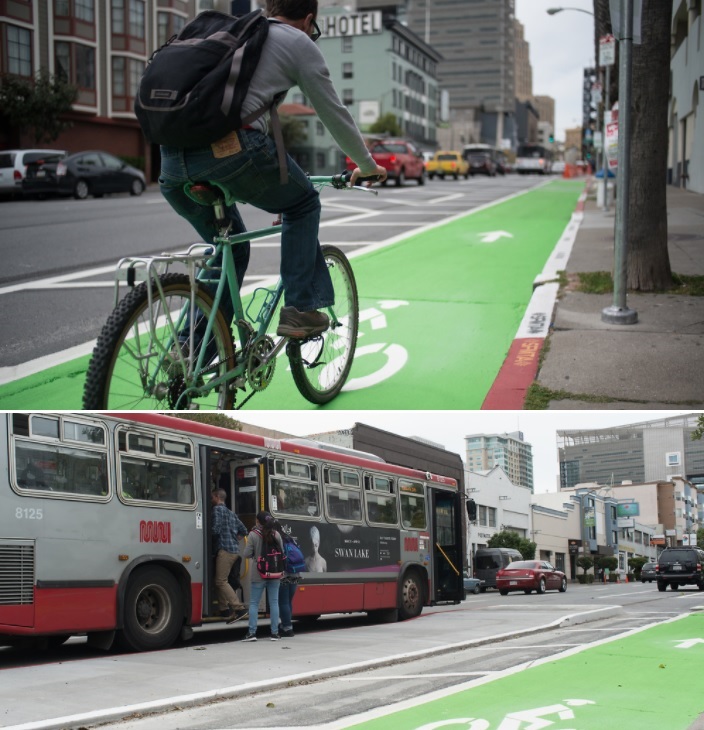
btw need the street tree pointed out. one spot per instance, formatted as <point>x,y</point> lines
<point>698,432</point>
<point>36,106</point>
<point>388,124</point>
<point>648,257</point>
<point>585,562</point>
<point>511,539</point>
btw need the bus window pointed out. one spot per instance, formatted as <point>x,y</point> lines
<point>412,505</point>
<point>294,496</point>
<point>380,500</point>
<point>343,498</point>
<point>154,469</point>
<point>59,469</point>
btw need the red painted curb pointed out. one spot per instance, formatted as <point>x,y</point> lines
<point>518,371</point>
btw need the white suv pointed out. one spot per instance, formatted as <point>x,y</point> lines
<point>13,167</point>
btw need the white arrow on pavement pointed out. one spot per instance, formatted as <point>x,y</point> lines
<point>491,236</point>
<point>689,643</point>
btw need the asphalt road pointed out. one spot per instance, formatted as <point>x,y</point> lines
<point>58,255</point>
<point>330,671</point>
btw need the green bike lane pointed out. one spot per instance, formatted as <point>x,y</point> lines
<point>439,310</point>
<point>647,678</point>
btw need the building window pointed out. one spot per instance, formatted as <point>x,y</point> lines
<point>348,97</point>
<point>492,517</point>
<point>76,63</point>
<point>347,44</point>
<point>673,458</point>
<point>19,51</point>
<point>126,73</point>
<point>137,18</point>
<point>168,25</point>
<point>481,512</point>
<point>117,15</point>
<point>85,10</point>
<point>347,71</point>
<point>320,160</point>
<point>319,129</point>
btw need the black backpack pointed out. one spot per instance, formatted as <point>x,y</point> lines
<point>192,89</point>
<point>270,562</point>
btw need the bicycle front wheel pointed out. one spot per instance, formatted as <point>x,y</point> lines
<point>141,360</point>
<point>320,366</point>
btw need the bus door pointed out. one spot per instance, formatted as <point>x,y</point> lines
<point>238,474</point>
<point>446,545</point>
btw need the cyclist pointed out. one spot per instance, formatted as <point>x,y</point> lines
<point>245,163</point>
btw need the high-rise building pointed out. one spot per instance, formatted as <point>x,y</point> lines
<point>523,69</point>
<point>476,41</point>
<point>508,450</point>
<point>639,452</point>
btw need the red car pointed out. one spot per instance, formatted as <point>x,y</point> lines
<point>401,158</point>
<point>530,575</point>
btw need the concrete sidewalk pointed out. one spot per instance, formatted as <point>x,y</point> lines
<point>656,363</point>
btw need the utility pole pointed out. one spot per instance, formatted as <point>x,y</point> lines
<point>618,312</point>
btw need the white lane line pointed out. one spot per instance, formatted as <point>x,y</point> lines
<point>377,677</point>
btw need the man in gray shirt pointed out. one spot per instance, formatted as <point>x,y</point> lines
<point>245,163</point>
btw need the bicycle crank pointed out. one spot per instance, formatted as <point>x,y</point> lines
<point>261,362</point>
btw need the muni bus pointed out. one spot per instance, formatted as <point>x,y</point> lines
<point>105,526</point>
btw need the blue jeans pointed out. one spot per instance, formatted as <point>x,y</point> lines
<point>252,176</point>
<point>272,594</point>
<point>286,592</point>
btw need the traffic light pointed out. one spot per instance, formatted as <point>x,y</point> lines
<point>551,138</point>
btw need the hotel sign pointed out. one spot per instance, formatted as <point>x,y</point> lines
<point>350,24</point>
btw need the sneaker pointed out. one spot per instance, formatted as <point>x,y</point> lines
<point>250,637</point>
<point>236,615</point>
<point>286,633</point>
<point>300,325</point>
<point>275,637</point>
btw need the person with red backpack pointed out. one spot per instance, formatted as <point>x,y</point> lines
<point>266,549</point>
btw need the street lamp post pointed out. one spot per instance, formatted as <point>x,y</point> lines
<point>554,11</point>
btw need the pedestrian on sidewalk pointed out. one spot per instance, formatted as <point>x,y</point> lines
<point>261,539</point>
<point>287,589</point>
<point>227,530</point>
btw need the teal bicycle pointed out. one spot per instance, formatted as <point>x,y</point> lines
<point>169,344</point>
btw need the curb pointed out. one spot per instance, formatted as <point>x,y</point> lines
<point>520,368</point>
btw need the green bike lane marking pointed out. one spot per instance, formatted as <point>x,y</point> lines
<point>644,679</point>
<point>439,311</point>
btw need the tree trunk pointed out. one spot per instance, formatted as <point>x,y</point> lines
<point>648,257</point>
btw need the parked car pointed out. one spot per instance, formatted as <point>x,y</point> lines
<point>680,566</point>
<point>530,575</point>
<point>92,172</point>
<point>447,163</point>
<point>401,158</point>
<point>471,585</point>
<point>481,163</point>
<point>488,561</point>
<point>558,167</point>
<point>649,573</point>
<point>13,167</point>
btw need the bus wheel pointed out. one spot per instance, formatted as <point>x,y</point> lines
<point>152,613</point>
<point>411,603</point>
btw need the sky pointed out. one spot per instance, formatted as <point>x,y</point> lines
<point>561,46</point>
<point>449,428</point>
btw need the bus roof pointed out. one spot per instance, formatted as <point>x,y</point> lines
<point>296,446</point>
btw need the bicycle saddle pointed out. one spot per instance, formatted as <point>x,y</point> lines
<point>205,193</point>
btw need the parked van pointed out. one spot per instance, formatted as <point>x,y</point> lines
<point>487,561</point>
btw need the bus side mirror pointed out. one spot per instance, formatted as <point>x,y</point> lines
<point>471,510</point>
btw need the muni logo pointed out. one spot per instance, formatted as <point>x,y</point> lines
<point>154,531</point>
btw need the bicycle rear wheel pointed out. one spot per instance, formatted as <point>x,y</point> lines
<point>320,366</point>
<point>134,368</point>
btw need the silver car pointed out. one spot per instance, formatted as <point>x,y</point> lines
<point>13,167</point>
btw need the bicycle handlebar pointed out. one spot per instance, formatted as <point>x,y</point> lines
<point>342,179</point>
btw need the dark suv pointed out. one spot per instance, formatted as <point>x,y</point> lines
<point>681,566</point>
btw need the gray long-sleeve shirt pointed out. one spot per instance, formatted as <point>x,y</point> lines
<point>289,58</point>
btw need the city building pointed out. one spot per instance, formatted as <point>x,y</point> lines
<point>379,66</point>
<point>102,48</point>
<point>639,452</point>
<point>685,115</point>
<point>499,504</point>
<point>509,451</point>
<point>523,71</point>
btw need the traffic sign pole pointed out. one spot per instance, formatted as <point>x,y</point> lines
<point>618,312</point>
